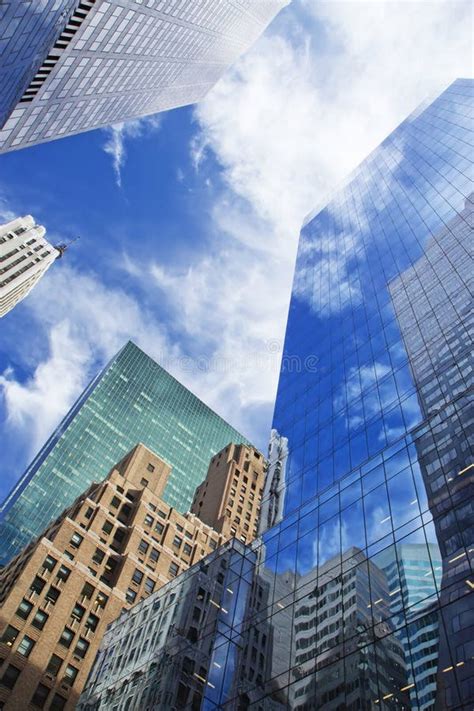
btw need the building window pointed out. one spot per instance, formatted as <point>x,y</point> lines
<point>63,573</point>
<point>98,556</point>
<point>92,622</point>
<point>148,520</point>
<point>187,549</point>
<point>130,595</point>
<point>137,576</point>
<point>52,595</point>
<point>159,528</point>
<point>189,535</point>
<point>10,635</point>
<point>212,545</point>
<point>177,541</point>
<point>81,647</point>
<point>10,676</point>
<point>149,585</point>
<point>76,540</point>
<point>70,674</point>
<point>40,619</point>
<point>40,696</point>
<point>101,599</point>
<point>143,546</point>
<point>58,703</point>
<point>87,591</point>
<point>66,637</point>
<point>24,609</point>
<point>150,468</point>
<point>89,512</point>
<point>37,585</point>
<point>49,563</point>
<point>107,527</point>
<point>25,646</point>
<point>78,612</point>
<point>115,502</point>
<point>173,570</point>
<point>54,665</point>
<point>161,513</point>
<point>154,555</point>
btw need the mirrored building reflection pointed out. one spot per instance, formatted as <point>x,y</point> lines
<point>359,596</point>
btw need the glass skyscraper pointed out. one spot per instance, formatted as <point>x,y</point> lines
<point>362,594</point>
<point>68,66</point>
<point>132,400</point>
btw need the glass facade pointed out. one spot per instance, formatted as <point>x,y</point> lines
<point>132,400</point>
<point>98,63</point>
<point>361,595</point>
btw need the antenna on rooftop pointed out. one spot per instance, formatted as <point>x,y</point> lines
<point>64,246</point>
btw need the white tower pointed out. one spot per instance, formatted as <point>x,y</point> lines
<point>25,255</point>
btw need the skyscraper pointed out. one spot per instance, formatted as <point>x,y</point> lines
<point>25,255</point>
<point>71,66</point>
<point>133,399</point>
<point>368,575</point>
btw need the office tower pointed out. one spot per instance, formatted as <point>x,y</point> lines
<point>68,67</point>
<point>274,490</point>
<point>25,255</point>
<point>117,544</point>
<point>229,498</point>
<point>132,400</point>
<point>167,651</point>
<point>379,464</point>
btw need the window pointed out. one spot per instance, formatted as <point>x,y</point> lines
<point>40,696</point>
<point>87,590</point>
<point>187,549</point>
<point>130,595</point>
<point>161,513</point>
<point>92,622</point>
<point>212,545</point>
<point>148,520</point>
<point>159,528</point>
<point>81,647</point>
<point>24,609</point>
<point>189,535</point>
<point>98,556</point>
<point>54,665</point>
<point>76,540</point>
<point>63,573</point>
<point>66,637</point>
<point>68,555</point>
<point>89,512</point>
<point>115,503</point>
<point>49,563</point>
<point>107,527</point>
<point>143,546</point>
<point>101,599</point>
<point>25,646</point>
<point>70,674</point>
<point>144,482</point>
<point>150,467</point>
<point>40,619</point>
<point>37,585</point>
<point>137,576</point>
<point>173,569</point>
<point>58,703</point>
<point>10,676</point>
<point>78,612</point>
<point>154,554</point>
<point>179,528</point>
<point>177,541</point>
<point>149,585</point>
<point>10,635</point>
<point>52,595</point>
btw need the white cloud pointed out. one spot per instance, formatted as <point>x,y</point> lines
<point>119,133</point>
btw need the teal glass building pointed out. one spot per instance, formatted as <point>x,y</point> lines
<point>362,596</point>
<point>132,400</point>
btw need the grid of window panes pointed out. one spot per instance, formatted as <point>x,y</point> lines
<point>119,60</point>
<point>362,595</point>
<point>133,400</point>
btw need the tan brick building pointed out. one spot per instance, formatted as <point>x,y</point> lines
<point>115,545</point>
<point>230,496</point>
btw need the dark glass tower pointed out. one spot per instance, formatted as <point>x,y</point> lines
<point>362,596</point>
<point>132,400</point>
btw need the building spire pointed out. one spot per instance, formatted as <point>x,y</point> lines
<point>64,246</point>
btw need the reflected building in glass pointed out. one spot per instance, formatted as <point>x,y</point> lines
<point>361,593</point>
<point>133,399</point>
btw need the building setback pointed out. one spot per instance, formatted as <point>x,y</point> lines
<point>117,544</point>
<point>229,498</point>
<point>132,400</point>
<point>68,67</point>
<point>25,255</point>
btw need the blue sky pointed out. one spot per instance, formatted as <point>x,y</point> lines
<point>189,220</point>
